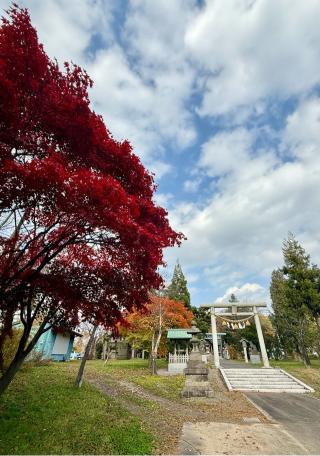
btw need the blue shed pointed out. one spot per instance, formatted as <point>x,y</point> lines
<point>56,344</point>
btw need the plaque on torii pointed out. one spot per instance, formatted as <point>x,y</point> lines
<point>238,309</point>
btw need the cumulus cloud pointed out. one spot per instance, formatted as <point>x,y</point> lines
<point>226,151</point>
<point>238,230</point>
<point>253,49</point>
<point>301,138</point>
<point>249,292</point>
<point>67,28</point>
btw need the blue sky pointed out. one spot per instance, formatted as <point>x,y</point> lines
<point>220,99</point>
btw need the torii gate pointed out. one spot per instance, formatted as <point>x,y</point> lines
<point>251,312</point>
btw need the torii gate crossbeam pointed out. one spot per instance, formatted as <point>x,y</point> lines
<point>234,306</point>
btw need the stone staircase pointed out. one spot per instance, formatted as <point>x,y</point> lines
<point>263,381</point>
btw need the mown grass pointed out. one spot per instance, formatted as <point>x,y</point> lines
<point>132,364</point>
<point>169,387</point>
<point>137,371</point>
<point>43,413</point>
<point>309,375</point>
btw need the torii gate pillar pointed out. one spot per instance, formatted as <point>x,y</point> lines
<point>261,338</point>
<point>215,339</point>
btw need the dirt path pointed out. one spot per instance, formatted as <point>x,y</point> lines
<point>164,417</point>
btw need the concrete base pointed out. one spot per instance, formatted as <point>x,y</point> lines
<point>255,359</point>
<point>197,389</point>
<point>176,368</point>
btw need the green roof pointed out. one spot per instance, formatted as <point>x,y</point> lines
<point>178,334</point>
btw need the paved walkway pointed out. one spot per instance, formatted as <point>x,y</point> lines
<point>237,439</point>
<point>231,364</point>
<point>298,414</point>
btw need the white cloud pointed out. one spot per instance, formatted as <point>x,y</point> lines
<point>192,185</point>
<point>66,28</point>
<point>302,134</point>
<point>163,199</point>
<point>226,151</point>
<point>253,49</point>
<point>249,292</point>
<point>238,231</point>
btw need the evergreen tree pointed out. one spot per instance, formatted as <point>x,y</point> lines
<point>202,318</point>
<point>233,298</point>
<point>292,293</point>
<point>177,290</point>
<point>281,318</point>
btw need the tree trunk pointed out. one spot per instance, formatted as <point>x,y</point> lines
<point>154,363</point>
<point>85,357</point>
<point>21,354</point>
<point>305,357</point>
<point>104,350</point>
<point>10,373</point>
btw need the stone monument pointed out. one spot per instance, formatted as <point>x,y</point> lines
<point>196,372</point>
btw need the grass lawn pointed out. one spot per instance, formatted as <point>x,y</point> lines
<point>309,375</point>
<point>43,413</point>
<point>137,371</point>
<point>120,409</point>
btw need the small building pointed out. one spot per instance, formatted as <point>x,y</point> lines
<point>56,344</point>
<point>179,340</point>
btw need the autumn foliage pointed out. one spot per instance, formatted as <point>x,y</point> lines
<point>143,327</point>
<point>80,234</point>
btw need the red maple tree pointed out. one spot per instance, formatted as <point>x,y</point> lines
<point>80,235</point>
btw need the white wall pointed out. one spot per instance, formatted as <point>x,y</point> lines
<point>60,345</point>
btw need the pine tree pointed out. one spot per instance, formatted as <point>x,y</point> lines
<point>177,290</point>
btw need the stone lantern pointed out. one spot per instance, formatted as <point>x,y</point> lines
<point>194,341</point>
<point>196,372</point>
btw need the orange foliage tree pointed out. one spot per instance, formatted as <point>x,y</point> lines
<point>145,328</point>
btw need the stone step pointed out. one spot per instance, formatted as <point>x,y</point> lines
<point>271,380</point>
<point>275,375</point>
<point>260,374</point>
<point>270,385</point>
<point>274,390</point>
<point>252,371</point>
<point>267,377</point>
<point>262,380</point>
